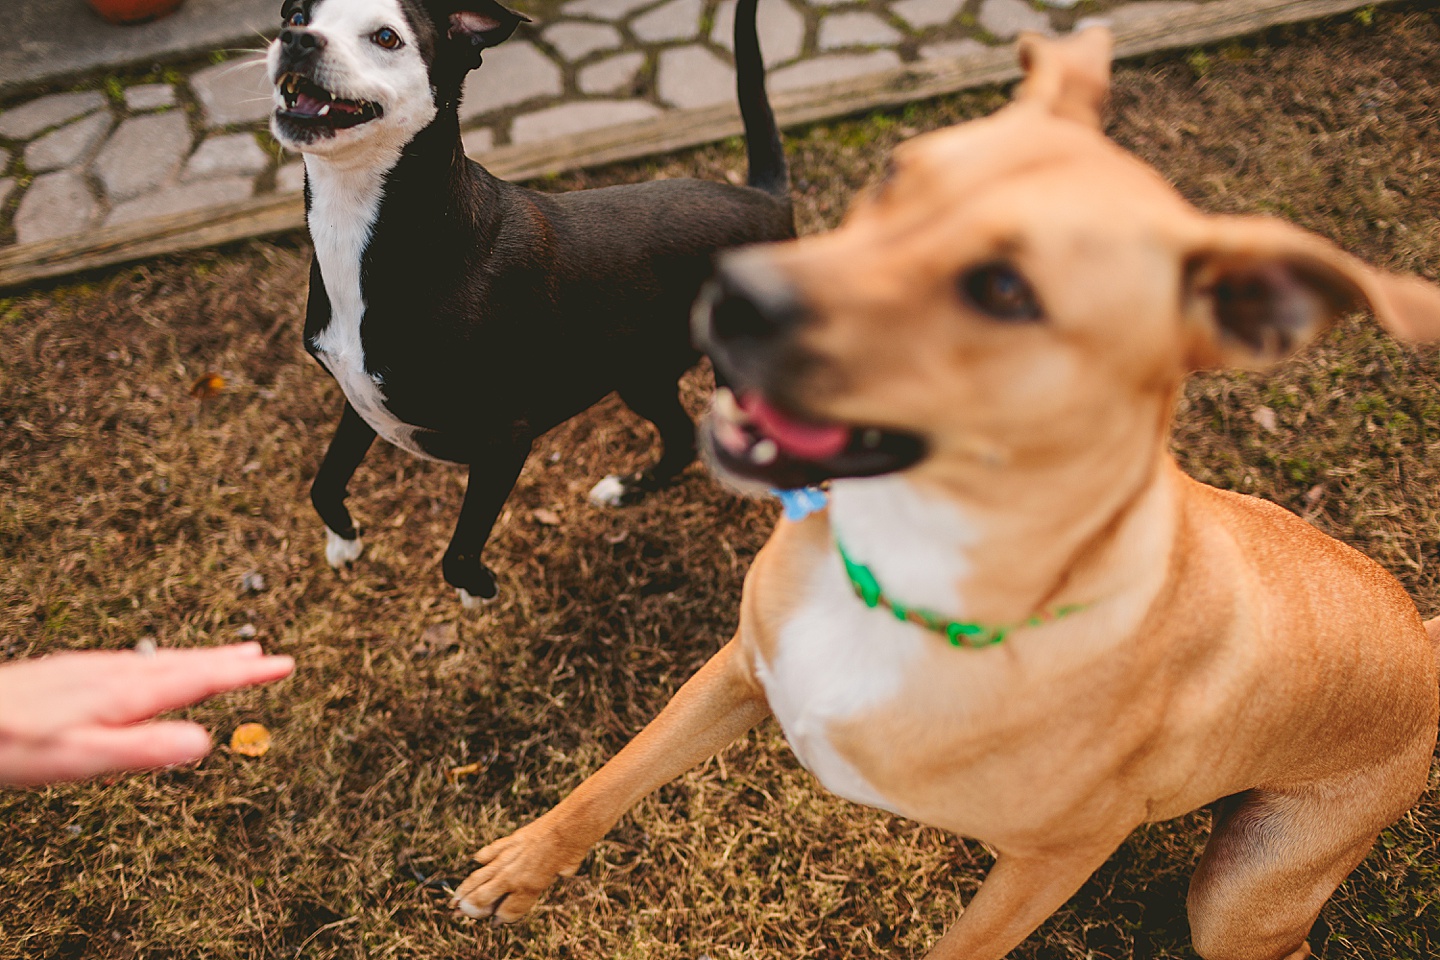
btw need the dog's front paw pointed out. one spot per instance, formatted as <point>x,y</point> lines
<point>471,578</point>
<point>340,552</point>
<point>609,492</point>
<point>469,601</point>
<point>616,491</point>
<point>515,870</point>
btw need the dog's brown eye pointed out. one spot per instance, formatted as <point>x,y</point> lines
<point>999,290</point>
<point>298,19</point>
<point>386,38</point>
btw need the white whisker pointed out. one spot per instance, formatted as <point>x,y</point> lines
<point>243,64</point>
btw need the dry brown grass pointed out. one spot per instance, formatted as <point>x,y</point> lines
<point>133,510</point>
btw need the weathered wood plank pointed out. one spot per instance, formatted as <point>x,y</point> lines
<point>264,216</point>
<point>193,230</point>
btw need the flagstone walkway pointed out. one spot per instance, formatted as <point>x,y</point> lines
<point>124,151</point>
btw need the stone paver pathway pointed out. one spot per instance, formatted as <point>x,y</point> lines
<point>72,162</point>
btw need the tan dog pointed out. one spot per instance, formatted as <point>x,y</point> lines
<point>1069,637</point>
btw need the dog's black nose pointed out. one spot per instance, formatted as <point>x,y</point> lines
<point>298,44</point>
<point>752,301</point>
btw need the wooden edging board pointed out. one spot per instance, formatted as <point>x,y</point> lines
<point>1218,20</point>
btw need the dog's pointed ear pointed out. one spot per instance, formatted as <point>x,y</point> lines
<point>481,24</point>
<point>1258,289</point>
<point>1070,76</point>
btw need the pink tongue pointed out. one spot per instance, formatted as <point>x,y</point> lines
<point>308,105</point>
<point>808,441</point>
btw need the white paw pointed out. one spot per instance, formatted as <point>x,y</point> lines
<point>609,492</point>
<point>469,909</point>
<point>340,552</point>
<point>471,602</point>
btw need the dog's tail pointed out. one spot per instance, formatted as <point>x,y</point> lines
<point>762,137</point>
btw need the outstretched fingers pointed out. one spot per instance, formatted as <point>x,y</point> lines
<point>94,751</point>
<point>45,697</point>
<point>139,688</point>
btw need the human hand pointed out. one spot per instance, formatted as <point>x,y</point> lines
<point>76,715</point>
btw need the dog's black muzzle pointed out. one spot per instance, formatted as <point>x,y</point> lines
<point>747,319</point>
<point>299,50</point>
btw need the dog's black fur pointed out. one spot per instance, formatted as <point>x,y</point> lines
<point>494,313</point>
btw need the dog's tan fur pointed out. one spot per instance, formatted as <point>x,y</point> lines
<point>1227,653</point>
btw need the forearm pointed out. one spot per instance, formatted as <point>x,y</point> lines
<point>717,705</point>
<point>713,709</point>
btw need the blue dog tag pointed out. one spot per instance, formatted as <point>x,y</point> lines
<point>800,503</point>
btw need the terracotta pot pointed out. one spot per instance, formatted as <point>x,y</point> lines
<point>133,11</point>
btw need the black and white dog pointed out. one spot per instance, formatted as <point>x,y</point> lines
<point>464,316</point>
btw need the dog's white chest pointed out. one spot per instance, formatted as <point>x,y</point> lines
<point>832,661</point>
<point>342,213</point>
<point>364,391</point>
<point>835,659</point>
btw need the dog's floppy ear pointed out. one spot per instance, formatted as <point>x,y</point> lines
<point>1071,77</point>
<point>1258,289</point>
<point>480,24</point>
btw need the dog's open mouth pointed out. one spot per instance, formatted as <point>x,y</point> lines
<point>752,438</point>
<point>312,110</point>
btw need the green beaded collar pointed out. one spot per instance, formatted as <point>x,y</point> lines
<point>959,633</point>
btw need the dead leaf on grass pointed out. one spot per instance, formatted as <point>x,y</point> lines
<point>207,386</point>
<point>468,770</point>
<point>250,740</point>
<point>546,517</point>
<point>1266,418</point>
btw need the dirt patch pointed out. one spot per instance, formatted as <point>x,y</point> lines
<point>133,510</point>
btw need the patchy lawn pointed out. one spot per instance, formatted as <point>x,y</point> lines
<point>132,510</point>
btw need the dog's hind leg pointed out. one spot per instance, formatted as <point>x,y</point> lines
<point>1016,897</point>
<point>658,402</point>
<point>494,468</point>
<point>1271,863</point>
<point>348,447</point>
